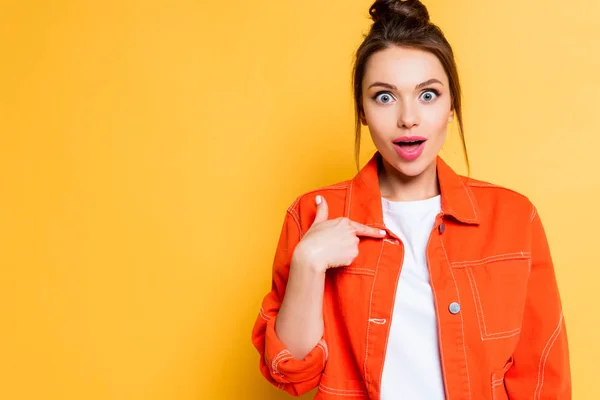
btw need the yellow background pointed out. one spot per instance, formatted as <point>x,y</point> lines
<point>148,152</point>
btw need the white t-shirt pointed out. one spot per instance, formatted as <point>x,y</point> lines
<point>412,368</point>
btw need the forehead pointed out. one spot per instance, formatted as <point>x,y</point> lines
<point>403,67</point>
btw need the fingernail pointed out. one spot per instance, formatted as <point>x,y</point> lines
<point>318,199</point>
<point>381,231</point>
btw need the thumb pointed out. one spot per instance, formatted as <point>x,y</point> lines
<point>322,210</point>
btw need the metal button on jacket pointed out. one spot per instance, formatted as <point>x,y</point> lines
<point>442,227</point>
<point>454,308</point>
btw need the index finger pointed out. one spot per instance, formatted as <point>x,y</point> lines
<point>364,230</point>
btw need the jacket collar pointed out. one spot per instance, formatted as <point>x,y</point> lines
<point>363,203</point>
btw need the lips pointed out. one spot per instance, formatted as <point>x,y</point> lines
<point>409,140</point>
<point>409,147</point>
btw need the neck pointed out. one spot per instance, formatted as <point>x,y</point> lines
<point>395,186</point>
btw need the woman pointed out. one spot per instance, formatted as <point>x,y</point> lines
<point>409,281</point>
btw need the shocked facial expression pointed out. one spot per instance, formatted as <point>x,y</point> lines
<point>407,105</point>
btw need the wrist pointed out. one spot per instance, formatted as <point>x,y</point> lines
<point>307,266</point>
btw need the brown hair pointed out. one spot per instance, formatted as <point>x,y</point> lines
<point>405,24</point>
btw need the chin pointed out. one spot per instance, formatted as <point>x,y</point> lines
<point>411,169</point>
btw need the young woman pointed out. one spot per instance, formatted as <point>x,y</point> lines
<point>410,281</point>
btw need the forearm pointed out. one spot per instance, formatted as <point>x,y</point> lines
<point>299,324</point>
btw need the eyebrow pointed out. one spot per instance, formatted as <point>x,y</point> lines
<point>419,86</point>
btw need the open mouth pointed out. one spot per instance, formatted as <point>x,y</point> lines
<point>410,145</point>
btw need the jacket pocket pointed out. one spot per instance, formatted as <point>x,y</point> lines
<point>498,388</point>
<point>498,285</point>
<point>331,387</point>
<point>366,262</point>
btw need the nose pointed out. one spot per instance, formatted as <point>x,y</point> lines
<point>408,116</point>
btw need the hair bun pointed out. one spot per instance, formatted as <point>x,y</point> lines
<point>393,9</point>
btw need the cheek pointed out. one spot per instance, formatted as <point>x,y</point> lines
<point>380,119</point>
<point>439,126</point>
<point>437,136</point>
<point>437,123</point>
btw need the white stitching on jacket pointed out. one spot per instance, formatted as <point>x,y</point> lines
<point>547,348</point>
<point>477,299</point>
<point>462,326</point>
<point>370,309</point>
<point>470,200</point>
<point>264,315</point>
<point>342,392</point>
<point>490,259</point>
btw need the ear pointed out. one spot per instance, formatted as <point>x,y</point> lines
<point>363,120</point>
<point>451,116</point>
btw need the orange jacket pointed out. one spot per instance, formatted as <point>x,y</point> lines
<point>503,339</point>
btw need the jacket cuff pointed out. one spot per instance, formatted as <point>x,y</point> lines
<point>285,368</point>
